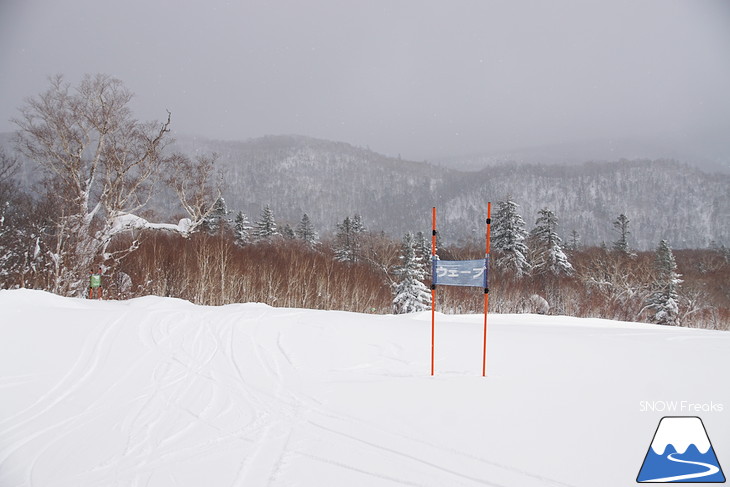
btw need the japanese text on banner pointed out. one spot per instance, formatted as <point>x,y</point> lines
<point>460,273</point>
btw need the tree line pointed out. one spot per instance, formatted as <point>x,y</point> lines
<point>541,254</point>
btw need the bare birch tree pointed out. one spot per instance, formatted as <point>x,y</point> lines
<point>100,161</point>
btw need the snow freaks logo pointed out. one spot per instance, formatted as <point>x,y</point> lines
<point>681,452</point>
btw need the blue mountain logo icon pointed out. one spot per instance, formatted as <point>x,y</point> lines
<point>681,452</point>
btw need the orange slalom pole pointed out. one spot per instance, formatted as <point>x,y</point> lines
<point>486,289</point>
<point>433,327</point>
<point>433,288</point>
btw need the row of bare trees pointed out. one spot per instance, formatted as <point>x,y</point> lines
<point>212,270</point>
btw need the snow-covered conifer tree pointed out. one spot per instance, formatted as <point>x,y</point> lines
<point>241,230</point>
<point>305,231</point>
<point>21,229</point>
<point>548,256</point>
<point>423,251</point>
<point>621,224</point>
<point>664,299</point>
<point>410,294</point>
<point>574,241</point>
<point>347,239</point>
<point>7,252</point>
<point>508,238</point>
<point>217,219</point>
<point>357,224</point>
<point>287,232</point>
<point>265,228</point>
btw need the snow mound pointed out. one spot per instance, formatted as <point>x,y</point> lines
<point>128,221</point>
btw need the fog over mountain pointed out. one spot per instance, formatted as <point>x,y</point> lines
<point>708,152</point>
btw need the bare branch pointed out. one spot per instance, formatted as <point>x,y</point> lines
<point>8,167</point>
<point>195,184</point>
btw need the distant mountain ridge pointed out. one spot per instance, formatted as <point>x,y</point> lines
<point>331,180</point>
<point>709,153</point>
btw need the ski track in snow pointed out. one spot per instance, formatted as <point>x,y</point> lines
<point>153,439</point>
<point>232,391</point>
<point>80,372</point>
<point>13,431</point>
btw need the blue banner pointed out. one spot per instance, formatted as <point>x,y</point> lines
<point>460,273</point>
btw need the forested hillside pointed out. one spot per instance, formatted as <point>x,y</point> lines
<point>663,200</point>
<point>327,180</point>
<point>330,180</point>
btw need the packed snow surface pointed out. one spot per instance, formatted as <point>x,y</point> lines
<point>160,392</point>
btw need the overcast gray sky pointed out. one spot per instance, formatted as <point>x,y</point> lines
<point>417,77</point>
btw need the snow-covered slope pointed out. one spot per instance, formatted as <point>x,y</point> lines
<point>159,392</point>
